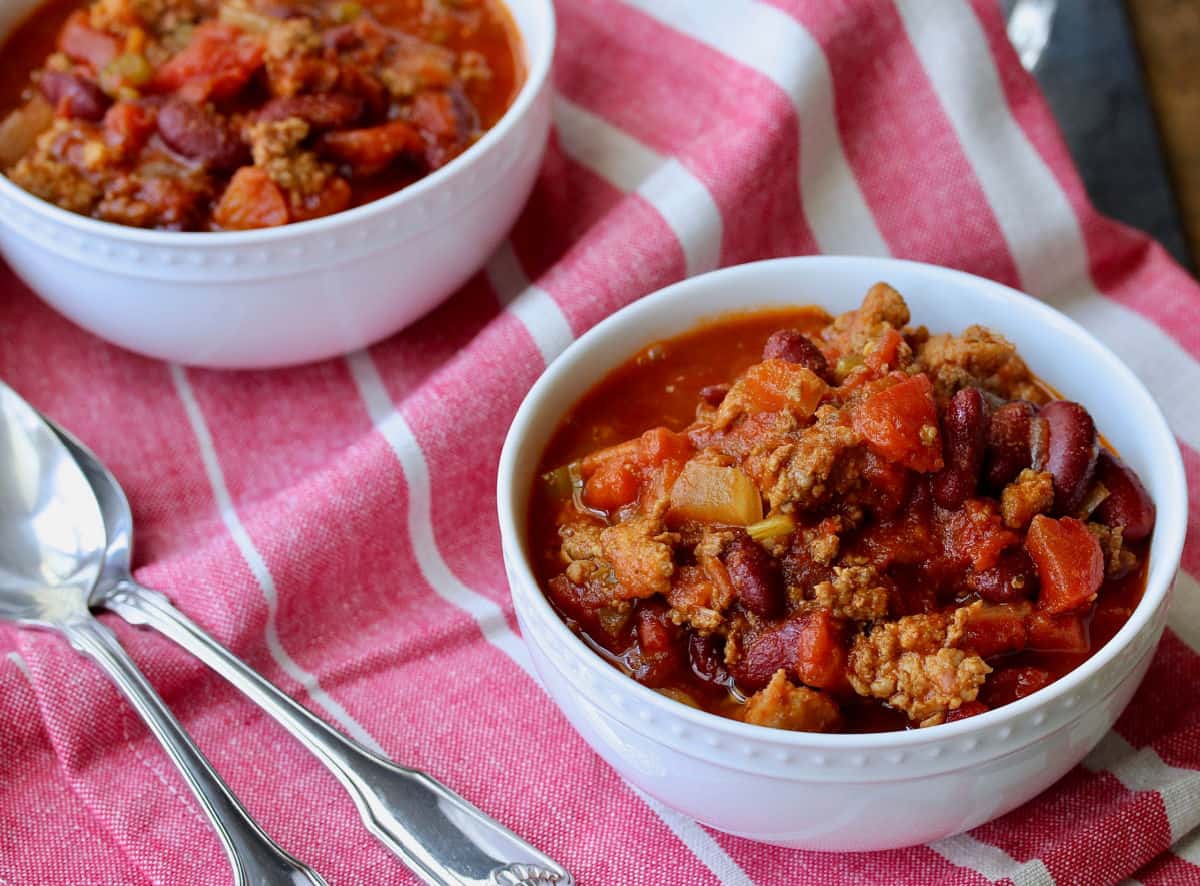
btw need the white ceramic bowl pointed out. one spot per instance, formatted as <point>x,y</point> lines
<point>847,792</point>
<point>300,292</point>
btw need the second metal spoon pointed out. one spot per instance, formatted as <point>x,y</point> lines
<point>444,839</point>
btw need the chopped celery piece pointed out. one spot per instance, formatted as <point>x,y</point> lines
<point>772,527</point>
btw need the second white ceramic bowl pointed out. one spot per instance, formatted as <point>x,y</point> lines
<point>301,292</point>
<point>847,792</point>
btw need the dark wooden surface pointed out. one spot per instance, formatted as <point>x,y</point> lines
<point>1167,34</point>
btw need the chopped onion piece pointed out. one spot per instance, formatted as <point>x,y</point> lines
<point>19,131</point>
<point>1095,497</point>
<point>714,494</point>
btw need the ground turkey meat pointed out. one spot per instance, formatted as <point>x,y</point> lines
<point>54,169</point>
<point>913,665</point>
<point>783,705</point>
<point>640,553</point>
<point>1032,493</point>
<point>977,358</point>
<point>882,308</point>
<point>797,472</point>
<point>855,592</point>
<point>276,149</point>
<point>1118,560</point>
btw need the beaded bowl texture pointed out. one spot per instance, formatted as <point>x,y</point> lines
<point>836,791</point>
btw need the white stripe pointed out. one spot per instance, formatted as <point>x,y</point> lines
<point>258,566</point>
<point>1184,615</point>
<point>991,861</point>
<point>395,430</point>
<point>532,305</point>
<point>22,665</point>
<point>1144,770</point>
<point>486,613</point>
<point>399,435</point>
<point>680,198</point>
<point>1048,248</point>
<point>777,46</point>
<point>1033,211</point>
<point>1189,847</point>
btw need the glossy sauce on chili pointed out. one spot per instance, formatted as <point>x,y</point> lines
<point>660,387</point>
<point>479,30</point>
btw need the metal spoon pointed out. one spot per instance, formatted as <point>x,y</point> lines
<point>444,839</point>
<point>52,545</point>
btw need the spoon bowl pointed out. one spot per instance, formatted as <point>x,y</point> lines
<point>53,546</point>
<point>52,537</point>
<point>438,834</point>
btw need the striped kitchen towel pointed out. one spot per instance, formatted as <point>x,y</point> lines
<point>335,524</point>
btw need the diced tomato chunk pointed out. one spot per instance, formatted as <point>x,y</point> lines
<point>885,484</point>
<point>991,630</point>
<point>649,463</point>
<point>83,43</point>
<point>1069,561</point>
<point>775,384</point>
<point>883,355</point>
<point>371,150</point>
<point>333,197</point>
<point>966,709</point>
<point>612,485</point>
<point>216,64</point>
<point>976,533</point>
<point>127,127</point>
<point>252,200</point>
<point>1056,633</point>
<point>900,423</point>
<point>660,444</point>
<point>821,652</point>
<point>1009,684</point>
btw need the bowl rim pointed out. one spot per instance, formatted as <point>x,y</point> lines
<point>538,71</point>
<point>1167,544</point>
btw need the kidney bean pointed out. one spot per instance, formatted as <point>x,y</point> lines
<point>1007,444</point>
<point>200,135</point>
<point>755,576</point>
<point>794,347</point>
<point>322,111</point>
<point>74,96</point>
<point>964,439</point>
<point>707,662</point>
<point>714,395</point>
<point>764,651</point>
<point>1071,453</point>
<point>659,642</point>
<point>1014,577</point>
<point>1128,504</point>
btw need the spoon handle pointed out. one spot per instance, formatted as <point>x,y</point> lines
<point>444,839</point>
<point>256,859</point>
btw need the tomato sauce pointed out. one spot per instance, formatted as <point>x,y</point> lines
<point>155,128</point>
<point>657,639</point>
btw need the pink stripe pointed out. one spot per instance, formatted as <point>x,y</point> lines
<point>904,154</point>
<point>772,864</point>
<point>603,249</point>
<point>1165,713</point>
<point>395,655</point>
<point>1125,264</point>
<point>1169,870</point>
<point>729,125</point>
<point>1191,546</point>
<point>41,806</point>
<point>1078,820</point>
